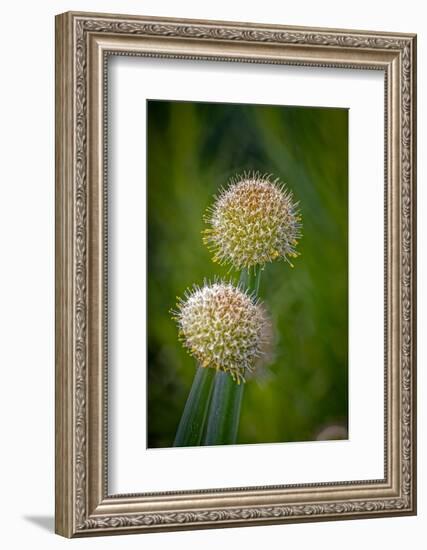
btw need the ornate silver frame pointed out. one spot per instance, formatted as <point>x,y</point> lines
<point>83,42</point>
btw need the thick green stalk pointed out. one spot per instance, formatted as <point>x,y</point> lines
<point>224,411</point>
<point>245,279</point>
<point>192,423</point>
<point>257,281</point>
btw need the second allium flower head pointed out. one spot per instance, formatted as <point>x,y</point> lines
<point>253,221</point>
<point>223,327</point>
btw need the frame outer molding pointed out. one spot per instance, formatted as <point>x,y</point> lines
<point>64,279</point>
<point>83,42</point>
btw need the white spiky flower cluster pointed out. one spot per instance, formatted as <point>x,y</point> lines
<point>253,221</point>
<point>223,327</point>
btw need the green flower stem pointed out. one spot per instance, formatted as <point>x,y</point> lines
<point>224,411</point>
<point>257,280</point>
<point>244,280</point>
<point>193,419</point>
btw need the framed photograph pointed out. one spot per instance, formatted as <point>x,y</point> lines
<point>235,274</point>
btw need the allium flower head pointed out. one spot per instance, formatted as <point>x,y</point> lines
<point>253,221</point>
<point>223,327</point>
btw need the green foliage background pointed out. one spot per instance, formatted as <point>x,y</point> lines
<point>193,149</point>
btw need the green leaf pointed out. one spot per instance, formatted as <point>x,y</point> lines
<point>224,411</point>
<point>192,423</point>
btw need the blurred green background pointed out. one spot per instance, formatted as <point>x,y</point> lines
<point>193,149</point>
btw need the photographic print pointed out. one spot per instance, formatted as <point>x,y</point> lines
<point>247,273</point>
